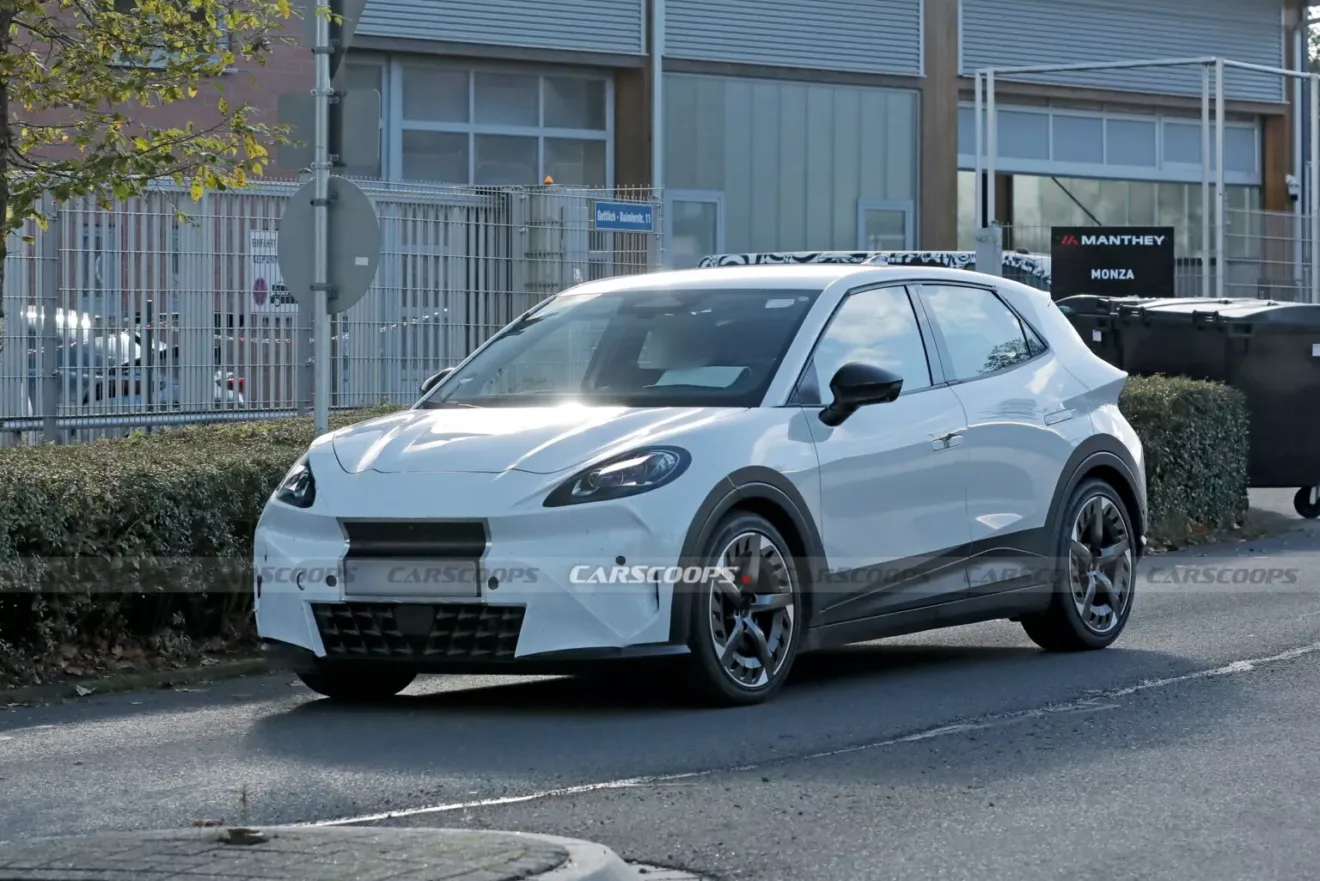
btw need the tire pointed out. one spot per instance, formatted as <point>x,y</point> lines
<point>357,686</point>
<point>1063,627</point>
<point>727,663</point>
<point>1304,506</point>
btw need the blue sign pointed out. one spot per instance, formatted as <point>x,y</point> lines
<point>624,216</point>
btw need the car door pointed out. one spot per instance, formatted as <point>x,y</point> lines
<point>893,503</point>
<point>1020,432</point>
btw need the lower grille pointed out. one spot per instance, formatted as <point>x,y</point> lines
<point>467,631</point>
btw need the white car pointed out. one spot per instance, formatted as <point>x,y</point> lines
<point>729,466</point>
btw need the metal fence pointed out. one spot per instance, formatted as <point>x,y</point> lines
<point>162,311</point>
<point>1267,254</point>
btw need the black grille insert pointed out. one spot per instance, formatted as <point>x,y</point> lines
<point>415,539</point>
<point>423,632</point>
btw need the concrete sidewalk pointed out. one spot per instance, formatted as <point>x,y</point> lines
<point>312,854</point>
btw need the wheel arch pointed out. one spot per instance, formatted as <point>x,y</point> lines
<point>1103,457</point>
<point>761,491</point>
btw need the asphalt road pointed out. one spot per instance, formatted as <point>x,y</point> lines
<point>1186,750</point>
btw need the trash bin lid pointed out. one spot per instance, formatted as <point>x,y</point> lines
<point>1182,310</point>
<point>1094,304</point>
<point>1302,316</point>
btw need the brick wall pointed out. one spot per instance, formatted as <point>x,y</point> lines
<point>289,67</point>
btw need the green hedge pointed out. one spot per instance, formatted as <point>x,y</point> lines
<point>141,545</point>
<point>1195,438</point>
<point>135,547</point>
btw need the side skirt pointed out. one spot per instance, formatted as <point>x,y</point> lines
<point>955,613</point>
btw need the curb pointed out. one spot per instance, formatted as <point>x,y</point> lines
<point>1259,525</point>
<point>31,694</point>
<point>308,854</point>
<point>587,860</point>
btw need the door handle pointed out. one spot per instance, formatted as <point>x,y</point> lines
<point>944,441</point>
<point>1058,416</point>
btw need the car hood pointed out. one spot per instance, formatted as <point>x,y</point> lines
<point>539,440</point>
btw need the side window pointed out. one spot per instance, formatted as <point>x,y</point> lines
<point>875,327</point>
<point>981,333</point>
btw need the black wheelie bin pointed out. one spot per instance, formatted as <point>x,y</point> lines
<point>1270,351</point>
<point>1095,319</point>
<point>1178,337</point>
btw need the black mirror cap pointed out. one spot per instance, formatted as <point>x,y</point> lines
<point>431,381</point>
<point>859,385</point>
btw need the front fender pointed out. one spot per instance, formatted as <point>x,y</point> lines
<point>746,485</point>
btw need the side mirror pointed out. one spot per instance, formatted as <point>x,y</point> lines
<point>431,381</point>
<point>859,385</point>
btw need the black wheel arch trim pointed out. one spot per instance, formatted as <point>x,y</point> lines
<point>751,483</point>
<point>1099,451</point>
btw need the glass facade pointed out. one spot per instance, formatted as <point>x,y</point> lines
<point>495,128</point>
<point>1041,202</point>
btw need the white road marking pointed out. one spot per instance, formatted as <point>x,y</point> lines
<point>1096,701</point>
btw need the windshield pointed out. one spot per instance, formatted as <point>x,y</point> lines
<point>650,348</point>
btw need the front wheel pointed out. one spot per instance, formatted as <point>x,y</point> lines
<point>745,631</point>
<point>357,686</point>
<point>1095,575</point>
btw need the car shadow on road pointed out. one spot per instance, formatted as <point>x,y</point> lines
<point>835,695</point>
<point>626,689</point>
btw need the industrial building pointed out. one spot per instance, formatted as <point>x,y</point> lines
<point>834,124</point>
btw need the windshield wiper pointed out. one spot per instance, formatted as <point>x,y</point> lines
<point>436,405</point>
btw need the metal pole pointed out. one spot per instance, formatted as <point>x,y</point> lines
<point>50,337</point>
<point>1314,180</point>
<point>320,211</point>
<point>658,95</point>
<point>979,195</point>
<point>1221,231</point>
<point>148,354</point>
<point>1112,65</point>
<point>1299,207</point>
<point>1205,181</point>
<point>991,147</point>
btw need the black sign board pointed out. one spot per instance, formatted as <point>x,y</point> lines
<point>1111,261</point>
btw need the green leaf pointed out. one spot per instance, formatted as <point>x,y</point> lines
<point>163,52</point>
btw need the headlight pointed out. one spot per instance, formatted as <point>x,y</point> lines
<point>627,475</point>
<point>298,487</point>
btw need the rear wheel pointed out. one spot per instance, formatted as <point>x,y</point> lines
<point>1307,502</point>
<point>356,686</point>
<point>745,632</point>
<point>1095,576</point>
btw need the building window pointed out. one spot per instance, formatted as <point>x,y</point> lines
<point>1040,203</point>
<point>495,128</point>
<point>364,76</point>
<point>130,7</point>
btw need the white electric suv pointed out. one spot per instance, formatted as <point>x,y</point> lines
<point>729,466</point>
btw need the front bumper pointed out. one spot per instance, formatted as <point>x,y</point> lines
<point>518,602</point>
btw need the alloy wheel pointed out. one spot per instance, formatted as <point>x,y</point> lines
<point>753,618</point>
<point>1100,565</point>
